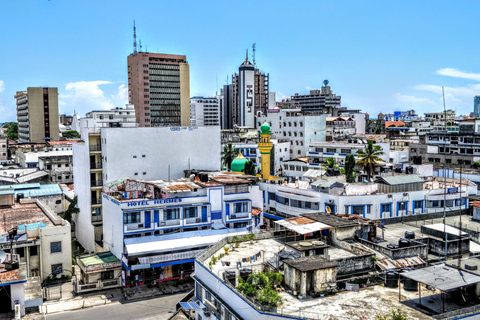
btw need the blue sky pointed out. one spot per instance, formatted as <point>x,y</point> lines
<point>380,56</point>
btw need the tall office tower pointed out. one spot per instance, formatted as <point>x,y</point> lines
<point>476,106</point>
<point>159,88</point>
<point>226,110</point>
<point>249,94</point>
<point>37,115</point>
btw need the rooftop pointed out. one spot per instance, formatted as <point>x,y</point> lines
<point>99,258</point>
<point>334,220</point>
<point>23,214</point>
<point>310,263</point>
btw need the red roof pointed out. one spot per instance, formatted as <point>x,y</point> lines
<point>256,211</point>
<point>395,123</point>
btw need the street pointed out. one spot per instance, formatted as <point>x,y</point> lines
<point>147,309</point>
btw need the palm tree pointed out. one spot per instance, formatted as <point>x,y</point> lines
<point>229,153</point>
<point>369,158</point>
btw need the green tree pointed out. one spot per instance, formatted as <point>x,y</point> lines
<point>393,315</point>
<point>12,130</point>
<point>330,163</point>
<point>261,287</point>
<point>369,158</point>
<point>229,153</point>
<point>476,165</point>
<point>350,168</point>
<point>71,134</point>
<point>72,208</point>
<point>249,168</point>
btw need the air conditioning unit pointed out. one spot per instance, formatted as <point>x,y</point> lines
<point>405,194</point>
<point>140,225</point>
<point>390,196</point>
<point>331,201</point>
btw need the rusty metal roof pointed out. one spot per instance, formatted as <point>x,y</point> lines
<point>387,264</point>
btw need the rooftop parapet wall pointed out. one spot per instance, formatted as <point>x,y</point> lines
<point>418,249</point>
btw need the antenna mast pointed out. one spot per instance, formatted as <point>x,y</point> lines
<point>134,38</point>
<point>140,42</point>
<point>253,47</point>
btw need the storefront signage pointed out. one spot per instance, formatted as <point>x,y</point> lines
<point>140,266</point>
<point>152,202</point>
<point>452,190</point>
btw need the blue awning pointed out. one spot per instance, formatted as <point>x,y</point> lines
<point>190,305</point>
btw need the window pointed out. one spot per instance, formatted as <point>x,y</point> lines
<point>33,251</point>
<point>59,165</point>
<point>21,252</point>
<point>55,246</point>
<point>56,268</point>
<point>369,208</point>
<point>240,207</point>
<point>417,204</point>
<point>346,151</point>
<point>107,275</point>
<point>346,209</point>
<point>171,214</point>
<point>66,165</point>
<point>386,207</point>
<point>402,206</point>
<point>271,196</point>
<point>331,150</point>
<point>190,212</point>
<point>131,217</point>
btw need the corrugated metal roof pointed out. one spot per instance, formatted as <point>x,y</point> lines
<point>302,225</point>
<point>401,179</point>
<point>387,264</point>
<point>41,190</point>
<point>442,277</point>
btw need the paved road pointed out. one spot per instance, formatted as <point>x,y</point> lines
<point>149,309</point>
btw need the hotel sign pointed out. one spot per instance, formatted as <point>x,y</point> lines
<point>152,202</point>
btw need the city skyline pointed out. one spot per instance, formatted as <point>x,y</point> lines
<point>379,57</point>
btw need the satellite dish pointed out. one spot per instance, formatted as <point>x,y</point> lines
<point>3,256</point>
<point>325,82</point>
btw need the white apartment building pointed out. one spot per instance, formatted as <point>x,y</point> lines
<point>387,197</point>
<point>157,228</point>
<point>146,153</point>
<point>299,129</point>
<point>205,111</point>
<point>340,128</point>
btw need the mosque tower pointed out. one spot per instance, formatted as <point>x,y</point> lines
<point>265,146</point>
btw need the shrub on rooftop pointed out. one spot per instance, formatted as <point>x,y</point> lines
<point>261,287</point>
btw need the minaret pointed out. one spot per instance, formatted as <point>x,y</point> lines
<point>265,146</point>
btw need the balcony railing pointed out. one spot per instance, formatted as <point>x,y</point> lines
<point>95,147</point>
<point>97,218</point>
<point>168,223</point>
<point>243,215</point>
<point>96,200</point>
<point>95,165</point>
<point>193,220</point>
<point>133,226</point>
<point>96,183</point>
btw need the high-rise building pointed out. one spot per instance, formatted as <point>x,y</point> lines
<point>476,106</point>
<point>159,88</point>
<point>37,115</point>
<point>321,101</point>
<point>205,111</point>
<point>249,94</point>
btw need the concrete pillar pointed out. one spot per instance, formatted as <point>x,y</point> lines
<point>303,283</point>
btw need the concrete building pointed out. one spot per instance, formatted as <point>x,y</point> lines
<point>321,101</point>
<point>476,106</point>
<point>157,228</point>
<point>159,88</point>
<point>49,194</point>
<point>226,110</point>
<point>3,149</point>
<point>43,239</point>
<point>12,286</point>
<point>387,197</point>
<point>37,114</point>
<point>205,111</point>
<point>112,153</point>
<point>359,119</point>
<point>57,164</point>
<point>406,116</point>
<point>97,272</point>
<point>339,128</point>
<point>249,95</point>
<point>448,115</point>
<point>299,129</point>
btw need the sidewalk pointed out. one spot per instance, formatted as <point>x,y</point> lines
<point>104,297</point>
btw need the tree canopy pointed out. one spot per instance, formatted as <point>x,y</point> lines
<point>350,168</point>
<point>250,168</point>
<point>229,153</point>
<point>369,158</point>
<point>71,134</point>
<point>12,130</point>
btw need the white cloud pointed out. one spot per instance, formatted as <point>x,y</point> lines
<point>2,86</point>
<point>85,96</point>
<point>8,114</point>
<point>411,99</point>
<point>120,98</point>
<point>452,72</point>
<point>280,96</point>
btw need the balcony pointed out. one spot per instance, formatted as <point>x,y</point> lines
<point>133,226</point>
<point>22,118</point>
<point>96,183</point>
<point>96,200</point>
<point>169,223</point>
<point>22,112</point>
<point>190,221</point>
<point>23,135</point>
<point>95,147</point>
<point>23,124</point>
<point>241,215</point>
<point>97,218</point>
<point>95,165</point>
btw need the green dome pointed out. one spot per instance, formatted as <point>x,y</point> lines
<point>238,164</point>
<point>265,128</point>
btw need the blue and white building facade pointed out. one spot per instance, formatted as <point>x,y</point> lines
<point>157,230</point>
<point>378,200</point>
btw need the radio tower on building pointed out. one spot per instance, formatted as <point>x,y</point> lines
<point>134,38</point>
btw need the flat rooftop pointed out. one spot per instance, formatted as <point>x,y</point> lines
<point>23,214</point>
<point>99,258</point>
